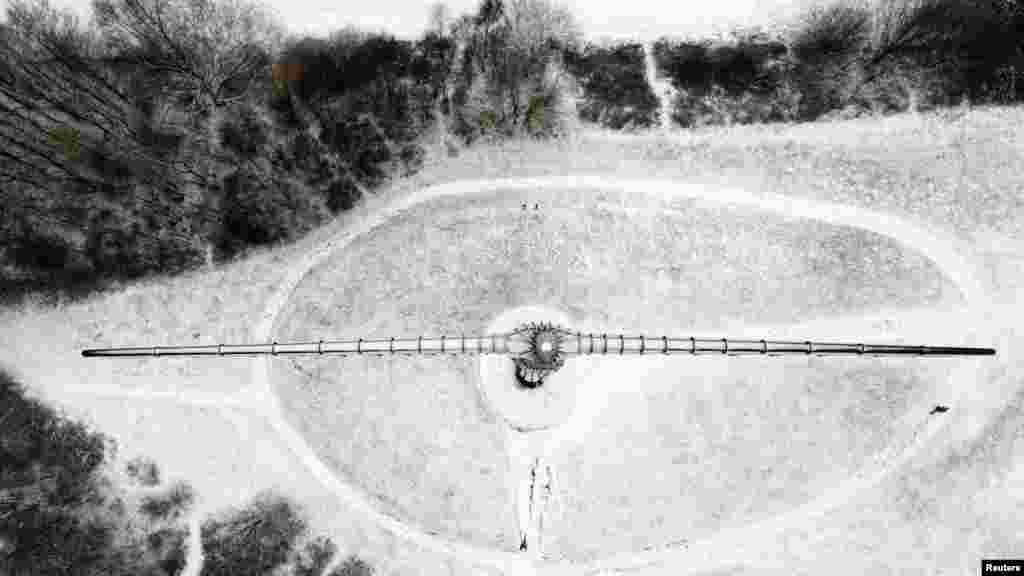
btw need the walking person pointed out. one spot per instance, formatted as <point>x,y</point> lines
<point>525,508</point>
<point>544,501</point>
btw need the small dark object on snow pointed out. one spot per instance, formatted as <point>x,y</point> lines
<point>939,409</point>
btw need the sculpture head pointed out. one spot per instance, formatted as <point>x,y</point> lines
<point>542,355</point>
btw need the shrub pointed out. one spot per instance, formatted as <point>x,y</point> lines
<point>150,232</point>
<point>614,85</point>
<point>746,81</point>
<point>535,121</point>
<point>38,251</point>
<point>58,512</point>
<point>253,540</point>
<point>510,53</point>
<point>827,47</point>
<point>686,64</point>
<point>36,442</point>
<point>244,133</point>
<point>352,566</point>
<point>960,47</point>
<point>341,194</point>
<point>143,470</point>
<point>370,96</point>
<point>264,210</point>
<point>168,548</point>
<point>313,557</point>
<point>488,120</point>
<point>174,502</point>
<point>900,55</point>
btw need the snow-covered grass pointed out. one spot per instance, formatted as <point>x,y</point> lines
<point>958,169</point>
<point>958,175</point>
<point>411,431</point>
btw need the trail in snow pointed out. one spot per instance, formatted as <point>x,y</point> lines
<point>188,397</point>
<point>194,559</point>
<point>662,88</point>
<point>945,253</point>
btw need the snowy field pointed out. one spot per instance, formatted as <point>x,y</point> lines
<point>689,438</point>
<point>685,465</point>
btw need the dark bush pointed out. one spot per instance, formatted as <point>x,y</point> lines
<point>81,236</point>
<point>342,194</point>
<point>254,540</point>
<point>827,48</point>
<point>745,81</point>
<point>258,210</point>
<point>433,62</point>
<point>962,48</point>
<point>687,64</point>
<point>51,471</point>
<point>733,68</point>
<point>749,64</point>
<point>143,470</point>
<point>372,96</point>
<point>352,566</point>
<point>35,251</point>
<point>150,232</point>
<point>170,505</point>
<point>313,557</point>
<point>903,56</point>
<point>615,89</point>
<point>168,548</point>
<point>60,514</point>
<point>37,257</point>
<point>34,435</point>
<point>244,133</point>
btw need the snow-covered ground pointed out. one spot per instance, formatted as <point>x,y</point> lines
<point>946,488</point>
<point>941,251</point>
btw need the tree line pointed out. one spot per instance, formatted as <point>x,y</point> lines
<point>167,135</point>
<point>852,57</point>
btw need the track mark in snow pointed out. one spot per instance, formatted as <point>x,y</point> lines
<point>191,397</point>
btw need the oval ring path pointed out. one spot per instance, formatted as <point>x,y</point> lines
<point>741,543</point>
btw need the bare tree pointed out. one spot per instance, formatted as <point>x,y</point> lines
<point>208,53</point>
<point>199,57</point>
<point>537,23</point>
<point>67,113</point>
<point>513,45</point>
<point>964,44</point>
<point>439,19</point>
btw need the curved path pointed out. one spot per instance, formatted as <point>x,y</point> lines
<point>945,252</point>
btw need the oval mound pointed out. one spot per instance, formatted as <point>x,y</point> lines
<point>414,433</point>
